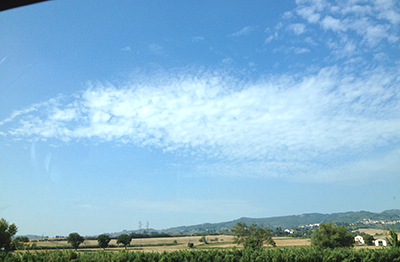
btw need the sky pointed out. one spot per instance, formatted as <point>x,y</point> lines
<point>115,113</point>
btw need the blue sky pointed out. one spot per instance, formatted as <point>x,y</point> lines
<point>181,113</point>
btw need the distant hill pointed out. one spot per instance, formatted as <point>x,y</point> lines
<point>360,219</point>
<point>293,221</point>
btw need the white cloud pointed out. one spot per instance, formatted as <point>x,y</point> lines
<point>269,39</point>
<point>244,31</point>
<point>366,24</point>
<point>308,13</point>
<point>287,15</point>
<point>374,34</point>
<point>275,122</point>
<point>334,24</point>
<point>390,15</point>
<point>298,28</point>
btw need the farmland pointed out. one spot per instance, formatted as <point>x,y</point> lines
<point>219,248</point>
<point>166,244</point>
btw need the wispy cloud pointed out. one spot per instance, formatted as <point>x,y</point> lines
<point>3,59</point>
<point>244,31</point>
<point>279,123</point>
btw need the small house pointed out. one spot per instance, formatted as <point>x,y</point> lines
<point>359,240</point>
<point>380,242</point>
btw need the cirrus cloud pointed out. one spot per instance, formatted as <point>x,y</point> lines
<point>279,123</point>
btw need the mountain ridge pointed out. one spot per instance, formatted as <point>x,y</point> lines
<point>291,221</point>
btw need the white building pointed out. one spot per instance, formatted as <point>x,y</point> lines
<point>359,240</point>
<point>380,242</point>
<point>290,231</point>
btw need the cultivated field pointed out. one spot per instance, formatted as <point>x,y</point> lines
<point>224,241</point>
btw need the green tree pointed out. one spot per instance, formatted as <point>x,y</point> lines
<point>103,240</point>
<point>392,240</point>
<point>20,242</point>
<point>330,236</point>
<point>203,239</point>
<point>253,236</point>
<point>368,239</point>
<point>124,239</point>
<point>75,240</point>
<point>6,233</point>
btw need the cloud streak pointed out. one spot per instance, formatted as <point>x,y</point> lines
<point>243,32</point>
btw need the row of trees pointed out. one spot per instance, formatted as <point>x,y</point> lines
<point>75,240</point>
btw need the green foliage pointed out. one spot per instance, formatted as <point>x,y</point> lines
<point>330,236</point>
<point>124,239</point>
<point>298,254</point>
<point>6,233</point>
<point>368,239</point>
<point>253,236</point>
<point>190,245</point>
<point>21,243</point>
<point>75,240</point>
<point>203,239</point>
<point>103,240</point>
<point>392,240</point>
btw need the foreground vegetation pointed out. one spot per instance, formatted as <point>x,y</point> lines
<point>271,254</point>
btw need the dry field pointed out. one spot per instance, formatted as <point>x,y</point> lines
<point>373,231</point>
<point>291,241</point>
